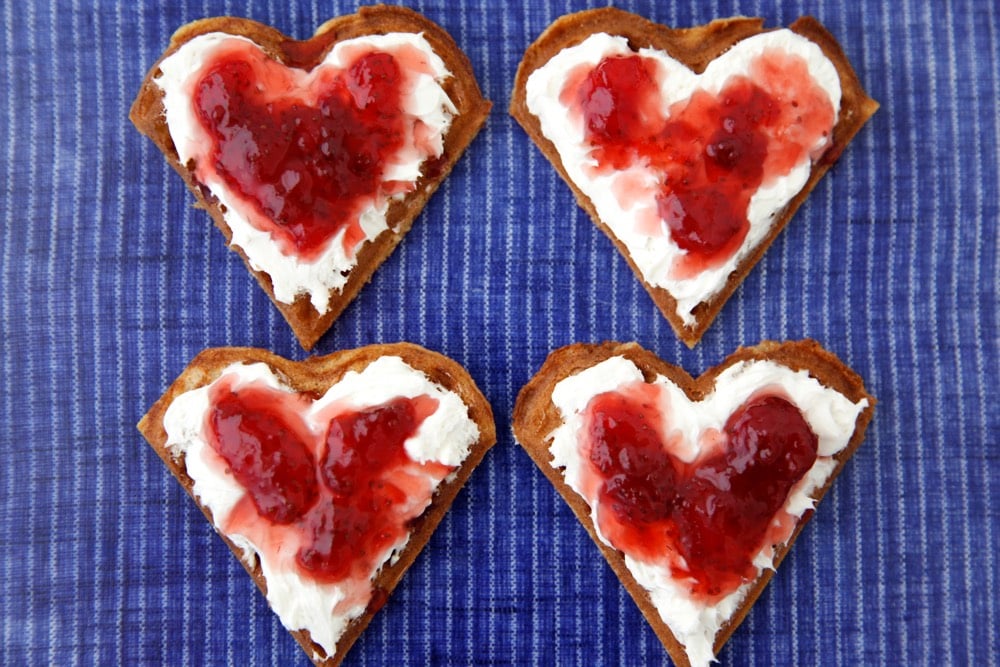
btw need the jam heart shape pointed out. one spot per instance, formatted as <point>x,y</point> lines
<point>694,489</point>
<point>706,155</point>
<point>713,512</point>
<point>326,476</point>
<point>306,153</point>
<point>313,157</point>
<point>690,148</point>
<point>347,489</point>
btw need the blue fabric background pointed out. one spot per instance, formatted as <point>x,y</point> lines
<point>112,282</point>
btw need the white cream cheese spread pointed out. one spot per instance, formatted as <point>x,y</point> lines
<point>655,255</point>
<point>830,415</point>
<point>426,102</point>
<point>445,436</point>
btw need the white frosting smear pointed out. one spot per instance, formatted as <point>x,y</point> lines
<point>445,436</point>
<point>424,100</point>
<point>830,415</point>
<point>656,255</point>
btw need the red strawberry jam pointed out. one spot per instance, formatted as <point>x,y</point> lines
<point>345,495</point>
<point>639,482</point>
<point>263,445</point>
<point>362,452</point>
<point>715,512</point>
<point>308,161</point>
<point>713,151</point>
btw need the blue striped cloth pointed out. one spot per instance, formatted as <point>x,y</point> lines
<point>113,282</point>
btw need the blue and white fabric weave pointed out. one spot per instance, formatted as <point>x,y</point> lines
<point>113,282</point>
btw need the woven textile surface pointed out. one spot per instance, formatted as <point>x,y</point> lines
<point>114,282</point>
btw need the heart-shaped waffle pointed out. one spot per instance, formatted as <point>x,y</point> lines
<point>691,149</point>
<point>312,157</point>
<point>326,477</point>
<point>694,489</point>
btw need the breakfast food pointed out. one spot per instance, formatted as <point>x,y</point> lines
<point>690,148</point>
<point>312,157</point>
<point>325,477</point>
<point>693,489</point>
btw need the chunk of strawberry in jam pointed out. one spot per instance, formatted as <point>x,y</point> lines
<point>361,446</point>
<point>620,101</point>
<point>713,152</point>
<point>714,512</point>
<point>259,441</point>
<point>701,220</point>
<point>362,451</point>
<point>343,541</point>
<point>727,506</point>
<point>639,479</point>
<point>308,169</point>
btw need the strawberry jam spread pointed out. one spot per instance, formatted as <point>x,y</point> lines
<point>710,152</point>
<point>708,518</point>
<point>264,445</point>
<point>341,498</point>
<point>307,159</point>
